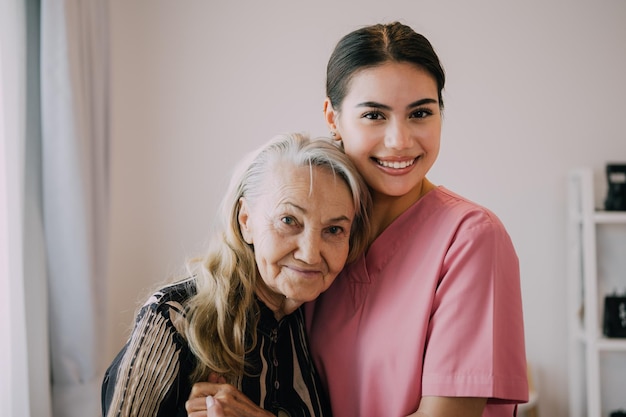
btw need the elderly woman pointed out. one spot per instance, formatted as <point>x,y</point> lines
<point>295,213</point>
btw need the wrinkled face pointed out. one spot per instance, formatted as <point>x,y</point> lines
<point>390,125</point>
<point>300,229</point>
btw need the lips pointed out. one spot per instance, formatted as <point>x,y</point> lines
<point>305,272</point>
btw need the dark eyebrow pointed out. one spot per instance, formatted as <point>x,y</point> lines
<point>385,107</point>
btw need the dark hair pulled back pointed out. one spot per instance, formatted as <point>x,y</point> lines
<point>375,45</point>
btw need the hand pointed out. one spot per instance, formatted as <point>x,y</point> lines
<point>225,401</point>
<point>213,408</point>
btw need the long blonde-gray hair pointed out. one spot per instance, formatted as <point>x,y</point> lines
<point>224,311</point>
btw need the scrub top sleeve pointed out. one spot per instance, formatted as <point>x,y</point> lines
<point>475,341</point>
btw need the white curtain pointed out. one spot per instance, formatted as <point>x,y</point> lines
<point>14,389</point>
<point>24,354</point>
<point>53,205</point>
<point>75,141</point>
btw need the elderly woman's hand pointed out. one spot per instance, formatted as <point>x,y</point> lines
<point>218,399</point>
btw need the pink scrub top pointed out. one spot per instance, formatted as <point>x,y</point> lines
<point>433,309</point>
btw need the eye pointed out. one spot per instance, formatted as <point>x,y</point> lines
<point>373,115</point>
<point>421,113</point>
<point>288,220</point>
<point>287,224</point>
<point>335,230</point>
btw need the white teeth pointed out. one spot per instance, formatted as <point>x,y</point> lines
<point>396,164</point>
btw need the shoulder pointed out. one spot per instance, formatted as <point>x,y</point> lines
<point>175,294</point>
<point>474,226</point>
<point>168,304</point>
<point>456,203</point>
<point>456,221</point>
<point>149,373</point>
<point>447,206</point>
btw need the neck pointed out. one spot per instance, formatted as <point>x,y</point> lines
<point>278,303</point>
<point>388,208</point>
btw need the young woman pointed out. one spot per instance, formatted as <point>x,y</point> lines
<point>428,322</point>
<point>293,216</point>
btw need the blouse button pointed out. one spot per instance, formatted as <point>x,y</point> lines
<point>275,362</point>
<point>276,384</point>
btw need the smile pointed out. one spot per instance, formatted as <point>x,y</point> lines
<point>395,164</point>
<point>304,272</point>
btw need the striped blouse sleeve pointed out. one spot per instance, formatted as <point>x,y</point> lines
<point>144,378</point>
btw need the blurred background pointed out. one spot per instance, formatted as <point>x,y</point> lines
<point>534,89</point>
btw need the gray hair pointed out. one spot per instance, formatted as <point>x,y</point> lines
<point>224,311</point>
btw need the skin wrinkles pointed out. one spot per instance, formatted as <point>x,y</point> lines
<point>300,233</point>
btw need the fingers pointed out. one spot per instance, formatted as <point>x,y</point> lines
<point>204,407</point>
<point>216,378</point>
<point>196,407</point>
<point>204,394</point>
<point>202,389</point>
<point>214,399</point>
<point>214,408</point>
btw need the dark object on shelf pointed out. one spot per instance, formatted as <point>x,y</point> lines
<point>614,316</point>
<point>616,195</point>
<point>618,413</point>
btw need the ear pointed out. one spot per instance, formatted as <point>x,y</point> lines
<point>243,219</point>
<point>330,115</point>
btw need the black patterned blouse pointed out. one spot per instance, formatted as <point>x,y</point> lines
<point>150,375</point>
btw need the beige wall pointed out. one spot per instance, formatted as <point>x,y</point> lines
<point>534,89</point>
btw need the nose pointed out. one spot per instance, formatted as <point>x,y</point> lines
<point>398,135</point>
<point>309,248</point>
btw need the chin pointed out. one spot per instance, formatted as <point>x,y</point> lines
<point>304,298</point>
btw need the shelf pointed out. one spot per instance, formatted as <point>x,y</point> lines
<point>590,349</point>
<point>602,217</point>
<point>604,344</point>
<point>611,344</point>
<point>609,216</point>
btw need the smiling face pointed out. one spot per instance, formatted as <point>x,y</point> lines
<point>300,229</point>
<point>390,125</point>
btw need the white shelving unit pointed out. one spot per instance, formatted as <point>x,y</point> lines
<point>587,342</point>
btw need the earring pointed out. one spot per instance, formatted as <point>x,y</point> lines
<point>333,133</point>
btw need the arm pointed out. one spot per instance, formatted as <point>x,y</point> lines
<point>146,370</point>
<point>450,407</point>
<point>476,341</point>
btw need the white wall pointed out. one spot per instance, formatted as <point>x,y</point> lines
<point>534,89</point>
